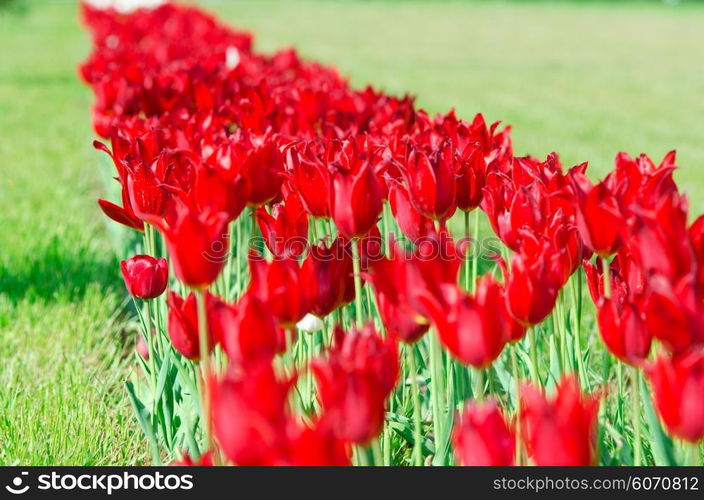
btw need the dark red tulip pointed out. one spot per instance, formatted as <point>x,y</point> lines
<point>481,436</point>
<point>354,381</point>
<point>310,178</point>
<point>471,179</point>
<point>356,200</point>
<point>264,169</point>
<point>560,431</point>
<point>473,328</point>
<point>533,283</point>
<point>285,229</point>
<point>183,323</point>
<point>197,244</point>
<point>205,460</point>
<point>678,390</point>
<point>216,191</point>
<point>317,446</point>
<point>327,274</point>
<point>278,283</point>
<point>431,181</point>
<point>389,276</point>
<point>250,415</point>
<point>414,225</point>
<point>599,219</point>
<point>145,277</point>
<point>252,334</point>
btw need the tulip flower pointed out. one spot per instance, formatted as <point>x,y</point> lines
<point>250,415</point>
<point>471,179</point>
<point>533,282</point>
<point>560,431</point>
<point>264,169</point>
<point>197,244</point>
<point>414,225</point>
<point>327,274</point>
<point>205,460</point>
<point>285,230</point>
<point>182,324</point>
<point>355,201</point>
<point>473,328</point>
<point>310,178</point>
<point>431,181</point>
<point>678,390</point>
<point>316,446</point>
<point>145,277</point>
<point>599,219</point>
<point>279,284</point>
<point>251,333</point>
<point>389,276</point>
<point>481,436</point>
<point>354,381</point>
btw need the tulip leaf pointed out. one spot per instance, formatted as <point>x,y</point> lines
<point>143,419</point>
<point>663,452</point>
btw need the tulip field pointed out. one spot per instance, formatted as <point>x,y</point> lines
<point>320,270</point>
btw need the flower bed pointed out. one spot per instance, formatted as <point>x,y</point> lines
<point>327,306</point>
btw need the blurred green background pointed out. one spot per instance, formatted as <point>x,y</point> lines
<point>581,78</point>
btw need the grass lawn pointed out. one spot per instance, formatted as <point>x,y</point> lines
<point>586,80</point>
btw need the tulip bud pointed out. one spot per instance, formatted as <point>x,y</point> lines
<point>145,276</point>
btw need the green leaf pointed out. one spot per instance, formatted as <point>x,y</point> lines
<point>143,419</point>
<point>662,445</point>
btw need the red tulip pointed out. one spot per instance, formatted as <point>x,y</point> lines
<point>205,460</point>
<point>264,169</point>
<point>250,415</point>
<point>473,328</point>
<point>560,431</point>
<point>389,276</point>
<point>471,179</point>
<point>278,283</point>
<point>145,277</point>
<point>354,381</point>
<point>623,330</point>
<point>183,323</point>
<point>533,282</point>
<point>356,200</point>
<point>252,334</point>
<point>327,274</point>
<point>481,436</point>
<point>310,178</point>
<point>285,230</point>
<point>414,225</point>
<point>317,446</point>
<point>599,219</point>
<point>678,390</point>
<point>431,181</point>
<point>197,244</point>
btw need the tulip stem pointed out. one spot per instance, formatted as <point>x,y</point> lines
<point>517,382</point>
<point>438,395</point>
<point>635,394</point>
<point>357,283</point>
<point>695,458</point>
<point>205,364</point>
<point>533,339</point>
<point>417,429</point>
<point>475,258</point>
<point>479,384</point>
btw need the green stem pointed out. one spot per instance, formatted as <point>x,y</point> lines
<point>606,273</point>
<point>635,395</point>
<point>533,338</point>
<point>517,383</point>
<point>475,260</point>
<point>205,364</point>
<point>438,397</point>
<point>417,424</point>
<point>479,384</point>
<point>357,283</point>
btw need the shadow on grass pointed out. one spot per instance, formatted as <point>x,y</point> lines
<point>57,272</point>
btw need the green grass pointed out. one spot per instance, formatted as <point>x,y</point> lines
<point>586,80</point>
